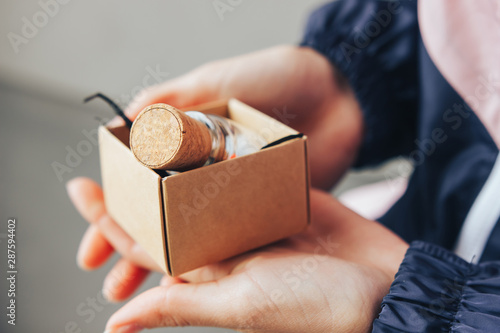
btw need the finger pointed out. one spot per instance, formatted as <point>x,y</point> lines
<point>177,92</point>
<point>168,281</point>
<point>210,272</point>
<point>123,280</point>
<point>162,93</point>
<point>94,249</point>
<point>151,95</point>
<point>115,121</point>
<point>182,304</point>
<point>193,88</point>
<point>88,199</point>
<point>223,268</point>
<point>358,239</point>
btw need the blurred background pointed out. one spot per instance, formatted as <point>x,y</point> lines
<point>52,55</point>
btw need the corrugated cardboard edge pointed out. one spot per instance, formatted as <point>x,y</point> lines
<point>125,186</point>
<point>308,180</point>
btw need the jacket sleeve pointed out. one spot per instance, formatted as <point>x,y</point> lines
<point>436,291</point>
<point>374,45</point>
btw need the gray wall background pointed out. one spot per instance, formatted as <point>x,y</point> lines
<point>81,48</point>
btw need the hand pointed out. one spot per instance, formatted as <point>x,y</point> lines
<point>296,85</point>
<point>299,79</point>
<point>331,277</point>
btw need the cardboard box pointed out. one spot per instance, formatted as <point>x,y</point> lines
<point>205,215</point>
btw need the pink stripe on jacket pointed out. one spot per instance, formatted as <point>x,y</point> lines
<point>463,39</point>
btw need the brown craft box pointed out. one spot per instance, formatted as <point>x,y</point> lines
<point>202,216</point>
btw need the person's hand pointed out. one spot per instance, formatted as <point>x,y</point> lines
<point>331,277</point>
<point>296,85</point>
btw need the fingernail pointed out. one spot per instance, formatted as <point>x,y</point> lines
<point>108,295</point>
<point>125,329</point>
<point>69,185</point>
<point>71,188</point>
<point>81,263</point>
<point>109,288</point>
<point>82,253</point>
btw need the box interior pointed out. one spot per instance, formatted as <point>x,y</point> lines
<point>267,127</point>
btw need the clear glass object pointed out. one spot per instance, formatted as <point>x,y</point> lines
<point>229,139</point>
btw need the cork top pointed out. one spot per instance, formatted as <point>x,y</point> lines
<point>163,137</point>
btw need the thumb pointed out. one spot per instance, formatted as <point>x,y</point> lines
<point>180,304</point>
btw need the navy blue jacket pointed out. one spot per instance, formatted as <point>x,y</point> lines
<point>411,110</point>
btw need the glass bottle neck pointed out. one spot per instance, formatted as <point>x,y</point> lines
<point>218,134</point>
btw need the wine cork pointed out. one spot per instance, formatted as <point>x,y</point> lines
<point>163,137</point>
